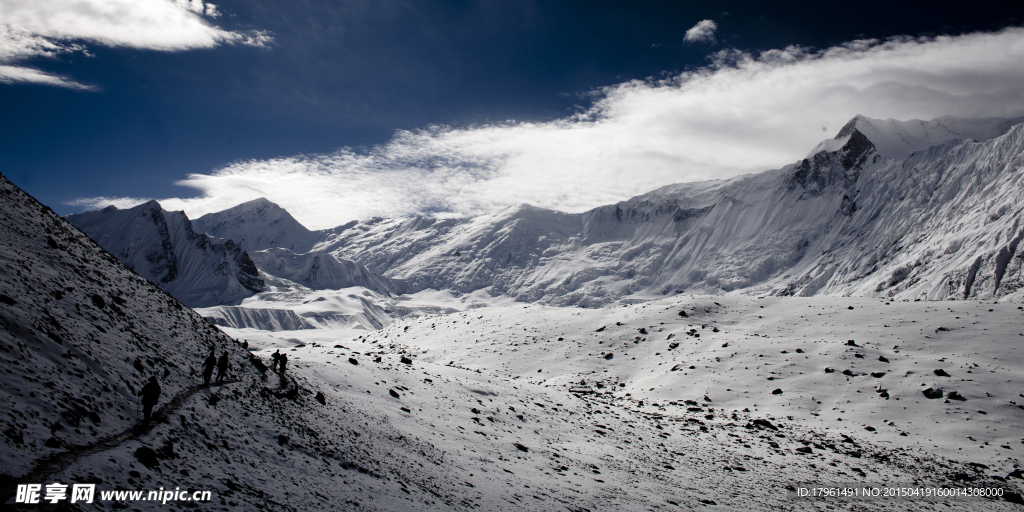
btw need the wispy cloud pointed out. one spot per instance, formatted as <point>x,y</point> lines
<point>31,29</point>
<point>704,30</point>
<point>95,203</point>
<point>742,113</point>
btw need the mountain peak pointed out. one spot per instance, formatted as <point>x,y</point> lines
<point>898,139</point>
<point>256,225</point>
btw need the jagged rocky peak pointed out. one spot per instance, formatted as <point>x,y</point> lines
<point>163,247</point>
<point>898,139</point>
<point>256,225</point>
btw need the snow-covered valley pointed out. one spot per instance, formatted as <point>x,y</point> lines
<point>850,319</point>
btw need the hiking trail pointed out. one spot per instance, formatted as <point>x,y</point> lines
<point>57,462</point>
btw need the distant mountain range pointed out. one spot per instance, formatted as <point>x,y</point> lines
<point>902,209</point>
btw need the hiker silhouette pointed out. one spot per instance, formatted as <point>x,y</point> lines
<point>282,361</point>
<point>208,366</point>
<point>222,367</point>
<point>276,356</point>
<point>150,393</point>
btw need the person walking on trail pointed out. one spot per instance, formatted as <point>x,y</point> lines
<point>208,366</point>
<point>222,367</point>
<point>282,361</point>
<point>276,356</point>
<point>150,393</point>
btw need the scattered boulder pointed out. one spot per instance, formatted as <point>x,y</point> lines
<point>609,355</point>
<point>321,398</point>
<point>953,395</point>
<point>777,391</point>
<point>600,329</point>
<point>941,373</point>
<point>829,370</point>
<point>851,343</point>
<point>146,456</point>
<point>353,360</point>
<point>682,313</point>
<point>878,375</point>
<point>7,300</point>
<point>406,360</point>
<point>282,439</point>
<point>932,393</point>
<point>642,330</point>
<point>762,424</point>
<point>394,393</point>
<point>804,449</point>
<point>883,359</point>
<point>521,448</point>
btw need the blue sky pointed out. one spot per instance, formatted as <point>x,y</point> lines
<point>459,107</point>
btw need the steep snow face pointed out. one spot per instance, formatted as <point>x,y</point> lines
<point>162,246</point>
<point>256,225</point>
<point>942,223</point>
<point>81,334</point>
<point>320,270</point>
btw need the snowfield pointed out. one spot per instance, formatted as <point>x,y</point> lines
<point>677,408</point>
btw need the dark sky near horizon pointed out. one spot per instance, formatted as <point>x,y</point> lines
<point>351,73</point>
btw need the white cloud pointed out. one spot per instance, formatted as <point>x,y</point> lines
<point>96,203</point>
<point>743,113</point>
<point>33,28</point>
<point>704,30</point>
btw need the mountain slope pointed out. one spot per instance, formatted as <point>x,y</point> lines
<point>81,333</point>
<point>163,247</point>
<point>843,221</point>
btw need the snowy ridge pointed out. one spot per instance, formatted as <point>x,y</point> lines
<point>808,228</point>
<point>162,246</point>
<point>881,209</point>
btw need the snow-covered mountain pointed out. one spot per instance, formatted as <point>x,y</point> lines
<point>907,209</point>
<point>163,247</point>
<point>851,219</point>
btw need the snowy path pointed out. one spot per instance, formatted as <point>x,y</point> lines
<point>60,461</point>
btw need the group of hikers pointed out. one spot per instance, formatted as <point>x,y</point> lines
<point>150,393</point>
<point>212,362</point>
